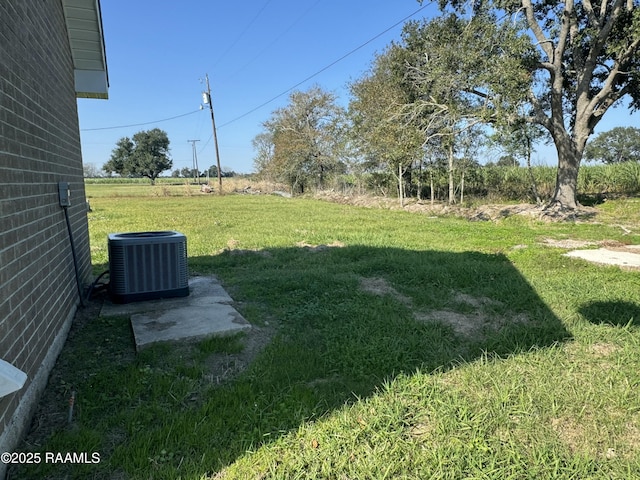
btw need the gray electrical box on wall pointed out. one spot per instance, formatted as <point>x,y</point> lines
<point>64,194</point>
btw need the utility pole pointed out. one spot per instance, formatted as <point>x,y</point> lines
<point>207,99</point>
<point>194,160</point>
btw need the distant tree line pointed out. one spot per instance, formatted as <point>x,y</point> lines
<point>146,154</point>
<point>212,172</point>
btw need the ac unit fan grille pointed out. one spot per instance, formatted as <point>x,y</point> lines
<point>147,265</point>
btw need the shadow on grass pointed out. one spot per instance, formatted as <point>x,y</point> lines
<point>346,320</point>
<point>351,318</point>
<point>616,313</point>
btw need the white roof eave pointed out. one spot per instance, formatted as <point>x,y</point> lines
<point>86,38</point>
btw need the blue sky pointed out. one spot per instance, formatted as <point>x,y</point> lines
<point>159,51</point>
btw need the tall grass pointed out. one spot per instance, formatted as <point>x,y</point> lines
<point>514,183</point>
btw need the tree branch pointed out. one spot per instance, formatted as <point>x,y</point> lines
<point>539,117</point>
<point>591,14</point>
<point>574,31</point>
<point>598,43</point>
<point>563,35</point>
<point>607,96</point>
<point>543,41</point>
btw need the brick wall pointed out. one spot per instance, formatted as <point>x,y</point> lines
<point>39,146</point>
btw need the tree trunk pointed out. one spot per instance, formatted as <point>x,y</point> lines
<point>452,192</point>
<point>400,185</point>
<point>567,178</point>
<point>431,185</point>
<point>462,187</point>
<point>321,180</point>
<point>420,181</point>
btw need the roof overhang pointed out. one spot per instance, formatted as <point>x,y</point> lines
<point>84,27</point>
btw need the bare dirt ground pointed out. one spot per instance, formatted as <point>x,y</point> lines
<point>488,212</point>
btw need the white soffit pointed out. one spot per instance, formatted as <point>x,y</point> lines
<point>84,26</point>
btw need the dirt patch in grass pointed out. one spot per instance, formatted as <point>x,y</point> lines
<point>601,349</point>
<point>472,324</point>
<point>477,302</point>
<point>572,434</point>
<point>380,287</point>
<point>570,244</point>
<point>422,431</point>
<point>586,437</point>
<point>567,243</point>
<point>598,352</point>
<point>630,439</point>
<point>320,248</point>
<point>233,248</point>
<point>464,324</point>
<point>616,246</point>
<point>222,367</point>
<point>481,321</point>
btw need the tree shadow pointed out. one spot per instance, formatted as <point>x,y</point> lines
<point>351,318</point>
<point>617,313</point>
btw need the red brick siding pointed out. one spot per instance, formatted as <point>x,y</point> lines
<point>39,146</point>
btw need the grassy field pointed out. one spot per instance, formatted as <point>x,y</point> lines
<point>400,345</point>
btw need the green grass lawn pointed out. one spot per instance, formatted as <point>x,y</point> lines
<point>401,346</point>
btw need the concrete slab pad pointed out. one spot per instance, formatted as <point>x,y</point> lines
<point>202,291</point>
<point>207,311</point>
<point>608,257</point>
<point>186,323</point>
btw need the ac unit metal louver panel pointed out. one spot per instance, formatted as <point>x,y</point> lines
<point>147,265</point>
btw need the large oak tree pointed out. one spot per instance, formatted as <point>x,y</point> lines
<point>582,58</point>
<point>144,155</point>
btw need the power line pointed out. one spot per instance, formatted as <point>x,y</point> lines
<point>282,34</point>
<point>326,67</point>
<point>235,42</point>
<point>348,54</point>
<point>139,124</point>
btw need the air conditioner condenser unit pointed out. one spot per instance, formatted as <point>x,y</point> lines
<point>147,266</point>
